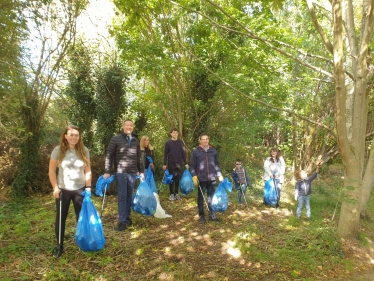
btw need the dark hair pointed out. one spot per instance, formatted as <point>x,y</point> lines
<point>202,136</point>
<point>127,120</point>
<point>238,160</point>
<point>174,130</point>
<point>277,157</point>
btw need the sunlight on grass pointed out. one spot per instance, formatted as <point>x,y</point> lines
<point>229,248</point>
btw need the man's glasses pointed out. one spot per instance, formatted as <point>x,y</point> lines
<point>237,164</point>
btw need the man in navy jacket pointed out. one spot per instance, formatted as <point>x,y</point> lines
<point>205,172</point>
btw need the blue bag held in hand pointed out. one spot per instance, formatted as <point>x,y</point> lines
<point>220,199</point>
<point>149,178</point>
<point>103,185</point>
<point>143,201</point>
<point>186,183</point>
<point>270,193</point>
<point>89,234</point>
<point>168,178</point>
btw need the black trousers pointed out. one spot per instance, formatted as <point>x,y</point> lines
<point>176,170</point>
<point>67,196</point>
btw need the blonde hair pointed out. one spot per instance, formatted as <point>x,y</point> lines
<point>79,147</point>
<point>142,140</point>
<point>298,173</point>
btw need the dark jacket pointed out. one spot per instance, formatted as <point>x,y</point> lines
<point>145,160</point>
<point>127,159</point>
<point>204,164</point>
<point>304,187</point>
<point>235,178</point>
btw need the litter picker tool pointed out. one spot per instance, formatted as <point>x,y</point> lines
<point>57,252</point>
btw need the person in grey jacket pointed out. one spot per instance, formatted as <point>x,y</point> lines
<point>124,151</point>
<point>303,189</point>
<point>205,171</point>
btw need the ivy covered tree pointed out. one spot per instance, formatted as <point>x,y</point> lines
<point>80,91</point>
<point>110,103</point>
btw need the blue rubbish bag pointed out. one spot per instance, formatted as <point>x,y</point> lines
<point>103,185</point>
<point>149,178</point>
<point>143,201</point>
<point>89,234</point>
<point>270,193</point>
<point>168,178</point>
<point>186,183</point>
<point>220,199</point>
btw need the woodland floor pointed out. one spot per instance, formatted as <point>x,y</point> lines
<point>258,243</point>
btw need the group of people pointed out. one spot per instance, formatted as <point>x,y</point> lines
<point>70,173</point>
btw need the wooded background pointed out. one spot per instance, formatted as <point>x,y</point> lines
<point>292,74</point>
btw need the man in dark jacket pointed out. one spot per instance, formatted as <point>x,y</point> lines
<point>124,150</point>
<point>205,171</point>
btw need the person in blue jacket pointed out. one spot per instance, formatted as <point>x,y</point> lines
<point>303,189</point>
<point>205,171</point>
<point>241,179</point>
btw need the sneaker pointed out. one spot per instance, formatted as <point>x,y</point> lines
<point>202,220</point>
<point>177,197</point>
<point>214,218</point>
<point>277,206</point>
<point>172,197</point>
<point>121,227</point>
<point>57,251</point>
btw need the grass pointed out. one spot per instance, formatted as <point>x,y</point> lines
<point>258,243</point>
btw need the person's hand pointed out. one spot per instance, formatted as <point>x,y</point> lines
<point>142,176</point>
<point>152,166</point>
<point>195,181</point>
<point>220,178</point>
<point>56,192</point>
<point>164,167</point>
<point>88,188</point>
<point>106,175</point>
<point>187,167</point>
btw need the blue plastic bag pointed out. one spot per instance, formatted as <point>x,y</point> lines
<point>227,184</point>
<point>143,201</point>
<point>103,185</point>
<point>270,193</point>
<point>150,179</point>
<point>89,234</point>
<point>220,199</point>
<point>186,183</point>
<point>168,178</point>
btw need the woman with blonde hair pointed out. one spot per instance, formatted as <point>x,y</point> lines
<point>146,149</point>
<point>69,174</point>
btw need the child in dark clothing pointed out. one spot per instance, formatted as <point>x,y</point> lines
<point>303,189</point>
<point>241,179</point>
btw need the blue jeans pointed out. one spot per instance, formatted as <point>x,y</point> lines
<point>241,192</point>
<point>301,201</point>
<point>210,188</point>
<point>125,185</point>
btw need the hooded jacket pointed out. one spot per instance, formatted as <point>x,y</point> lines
<point>304,187</point>
<point>204,164</point>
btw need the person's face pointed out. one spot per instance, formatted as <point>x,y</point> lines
<point>273,153</point>
<point>303,175</point>
<point>128,127</point>
<point>204,141</point>
<point>72,137</point>
<point>174,135</point>
<point>146,142</point>
<point>238,164</point>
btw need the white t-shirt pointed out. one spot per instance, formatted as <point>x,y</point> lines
<point>71,170</point>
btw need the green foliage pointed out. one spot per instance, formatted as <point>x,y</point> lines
<point>110,104</point>
<point>80,91</point>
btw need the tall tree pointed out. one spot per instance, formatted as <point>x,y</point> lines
<point>52,31</point>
